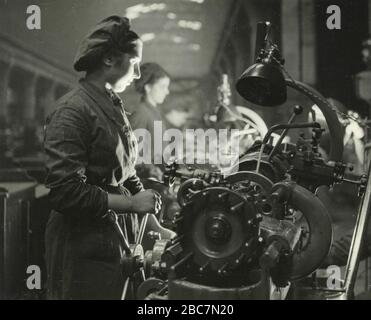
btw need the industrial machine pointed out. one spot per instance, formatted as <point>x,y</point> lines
<point>238,237</point>
<point>249,232</point>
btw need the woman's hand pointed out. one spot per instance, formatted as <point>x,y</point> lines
<point>148,201</point>
<point>354,128</point>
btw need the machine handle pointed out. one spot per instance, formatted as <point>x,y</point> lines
<point>113,218</point>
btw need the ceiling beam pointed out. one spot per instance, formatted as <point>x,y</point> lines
<point>227,30</point>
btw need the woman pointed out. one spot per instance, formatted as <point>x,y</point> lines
<point>90,156</point>
<point>153,86</point>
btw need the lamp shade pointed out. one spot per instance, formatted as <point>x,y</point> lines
<point>263,84</point>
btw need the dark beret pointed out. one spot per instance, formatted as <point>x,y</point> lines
<point>150,73</point>
<point>112,33</point>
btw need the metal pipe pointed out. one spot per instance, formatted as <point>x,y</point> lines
<point>365,167</point>
<point>297,110</point>
<point>3,205</point>
<point>280,127</point>
<point>289,126</point>
<point>319,223</point>
<point>113,218</point>
<point>142,229</point>
<point>335,128</point>
<point>357,241</point>
<point>262,35</point>
<point>125,289</point>
<point>183,260</point>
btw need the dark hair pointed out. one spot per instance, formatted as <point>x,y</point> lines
<point>95,61</point>
<point>150,73</point>
<point>112,36</point>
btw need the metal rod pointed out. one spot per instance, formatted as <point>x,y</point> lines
<point>237,206</point>
<point>177,239</point>
<point>282,136</point>
<point>142,228</point>
<point>182,261</point>
<point>357,241</point>
<point>367,266</point>
<point>280,127</point>
<point>143,274</point>
<point>240,258</point>
<point>223,268</point>
<point>289,126</point>
<point>204,266</point>
<point>176,244</point>
<point>125,289</point>
<point>124,241</point>
<point>222,195</point>
<point>3,206</point>
<point>366,163</point>
<point>260,157</point>
<point>176,220</point>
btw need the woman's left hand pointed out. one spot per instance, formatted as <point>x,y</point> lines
<point>354,127</point>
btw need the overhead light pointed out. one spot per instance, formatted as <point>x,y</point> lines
<point>171,15</point>
<point>145,37</point>
<point>198,1</point>
<point>194,25</point>
<point>264,83</point>
<point>194,47</point>
<point>178,39</point>
<point>136,11</point>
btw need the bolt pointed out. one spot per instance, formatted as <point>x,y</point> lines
<point>298,109</point>
<point>202,268</point>
<point>237,206</point>
<point>176,220</point>
<point>242,255</point>
<point>222,270</point>
<point>222,195</point>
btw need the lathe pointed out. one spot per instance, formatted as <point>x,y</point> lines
<point>251,231</point>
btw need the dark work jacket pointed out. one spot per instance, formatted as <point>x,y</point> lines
<point>90,151</point>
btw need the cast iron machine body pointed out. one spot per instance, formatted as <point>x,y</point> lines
<point>239,236</point>
<point>249,232</point>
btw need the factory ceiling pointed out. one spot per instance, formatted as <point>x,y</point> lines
<point>181,35</point>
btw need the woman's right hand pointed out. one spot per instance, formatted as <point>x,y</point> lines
<point>147,201</point>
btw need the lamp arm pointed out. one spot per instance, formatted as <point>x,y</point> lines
<point>335,128</point>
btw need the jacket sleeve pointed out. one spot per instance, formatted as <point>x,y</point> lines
<point>66,143</point>
<point>133,184</point>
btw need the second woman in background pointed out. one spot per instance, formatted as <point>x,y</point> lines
<point>153,86</point>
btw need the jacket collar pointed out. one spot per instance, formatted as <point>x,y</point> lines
<point>103,100</point>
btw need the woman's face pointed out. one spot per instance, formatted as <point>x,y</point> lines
<point>158,91</point>
<point>127,69</point>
